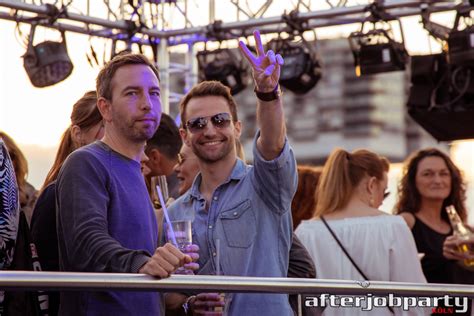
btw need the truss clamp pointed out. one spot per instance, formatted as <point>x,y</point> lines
<point>378,13</point>
<point>294,23</point>
<point>54,13</point>
<point>216,31</point>
<point>133,27</point>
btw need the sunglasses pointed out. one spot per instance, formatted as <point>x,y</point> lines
<point>385,194</point>
<point>182,158</point>
<point>198,124</point>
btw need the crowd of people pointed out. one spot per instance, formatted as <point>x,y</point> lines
<point>98,209</point>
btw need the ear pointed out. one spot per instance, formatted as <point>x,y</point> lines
<point>105,109</point>
<point>154,156</point>
<point>237,129</point>
<point>184,136</point>
<point>76,135</point>
<point>372,184</point>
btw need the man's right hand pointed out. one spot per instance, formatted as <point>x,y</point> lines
<point>165,261</point>
<point>208,304</point>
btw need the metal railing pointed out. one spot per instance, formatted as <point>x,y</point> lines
<point>205,283</point>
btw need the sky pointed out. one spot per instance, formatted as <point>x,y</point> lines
<point>36,117</point>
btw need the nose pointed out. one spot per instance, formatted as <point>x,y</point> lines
<point>177,168</point>
<point>437,178</point>
<point>209,129</point>
<point>146,102</point>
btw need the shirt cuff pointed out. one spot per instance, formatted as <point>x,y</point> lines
<point>138,262</point>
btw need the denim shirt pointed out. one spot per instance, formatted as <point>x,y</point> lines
<point>249,217</point>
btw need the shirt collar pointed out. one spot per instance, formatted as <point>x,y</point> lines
<point>237,174</point>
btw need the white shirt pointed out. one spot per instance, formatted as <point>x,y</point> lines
<point>382,246</point>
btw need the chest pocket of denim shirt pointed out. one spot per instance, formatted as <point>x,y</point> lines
<point>239,225</point>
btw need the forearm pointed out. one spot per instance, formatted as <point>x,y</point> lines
<point>271,121</point>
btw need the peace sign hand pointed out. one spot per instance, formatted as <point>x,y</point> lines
<point>265,66</point>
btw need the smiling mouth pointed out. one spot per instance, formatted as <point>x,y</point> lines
<point>215,142</point>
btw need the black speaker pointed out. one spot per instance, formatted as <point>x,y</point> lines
<point>441,97</point>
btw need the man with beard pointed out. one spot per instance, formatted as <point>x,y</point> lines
<point>105,217</point>
<point>244,209</point>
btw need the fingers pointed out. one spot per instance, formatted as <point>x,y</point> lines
<point>191,249</point>
<point>165,261</point>
<point>206,313</point>
<point>183,258</point>
<point>269,70</point>
<point>191,267</point>
<point>206,303</point>
<point>208,297</point>
<point>280,60</point>
<point>154,269</point>
<point>247,53</point>
<point>258,43</point>
<point>271,57</point>
<point>275,61</point>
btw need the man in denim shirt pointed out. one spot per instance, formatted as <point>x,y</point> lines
<point>244,209</point>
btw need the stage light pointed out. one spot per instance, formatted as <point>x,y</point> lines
<point>375,51</point>
<point>47,63</point>
<point>460,43</point>
<point>441,97</point>
<point>301,70</point>
<point>461,47</point>
<point>225,66</point>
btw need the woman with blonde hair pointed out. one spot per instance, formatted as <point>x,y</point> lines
<point>86,127</point>
<point>349,238</point>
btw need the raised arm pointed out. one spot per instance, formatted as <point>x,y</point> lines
<point>270,115</point>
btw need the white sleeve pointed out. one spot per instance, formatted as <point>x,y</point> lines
<point>404,263</point>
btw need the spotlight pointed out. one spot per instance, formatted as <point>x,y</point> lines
<point>461,47</point>
<point>460,43</point>
<point>225,66</point>
<point>48,62</point>
<point>301,70</point>
<point>441,97</point>
<point>376,52</point>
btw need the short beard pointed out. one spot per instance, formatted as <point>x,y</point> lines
<point>217,157</point>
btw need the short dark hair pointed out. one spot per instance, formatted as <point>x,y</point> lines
<point>208,88</point>
<point>166,138</point>
<point>104,78</point>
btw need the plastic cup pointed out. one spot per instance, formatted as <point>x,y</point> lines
<point>182,231</point>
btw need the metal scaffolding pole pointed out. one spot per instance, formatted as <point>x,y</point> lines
<point>164,64</point>
<point>191,76</point>
<point>323,18</point>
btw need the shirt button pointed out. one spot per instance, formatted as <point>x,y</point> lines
<point>210,226</point>
<point>235,213</point>
<point>215,198</point>
<point>214,254</point>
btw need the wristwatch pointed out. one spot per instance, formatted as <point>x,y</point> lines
<point>187,304</point>
<point>268,96</point>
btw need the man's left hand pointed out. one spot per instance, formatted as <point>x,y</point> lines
<point>265,66</point>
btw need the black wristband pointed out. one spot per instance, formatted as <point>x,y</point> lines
<point>268,96</point>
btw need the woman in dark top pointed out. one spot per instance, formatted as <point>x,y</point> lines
<point>86,127</point>
<point>431,181</point>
